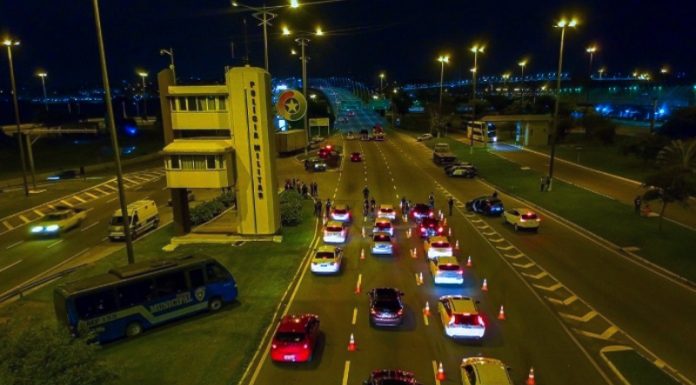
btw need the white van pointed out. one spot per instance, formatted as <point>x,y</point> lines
<point>142,217</point>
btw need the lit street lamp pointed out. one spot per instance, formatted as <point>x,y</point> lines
<point>601,72</point>
<point>591,50</point>
<point>381,81</point>
<point>442,59</point>
<point>111,124</point>
<point>170,52</point>
<point>475,49</point>
<point>143,76</point>
<point>505,78</point>
<point>563,24</point>
<point>9,44</point>
<point>42,75</point>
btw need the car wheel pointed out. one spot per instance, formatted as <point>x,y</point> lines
<point>133,329</point>
<point>156,224</point>
<point>515,226</point>
<point>215,304</point>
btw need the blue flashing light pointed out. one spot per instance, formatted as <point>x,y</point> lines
<point>128,150</point>
<point>131,130</point>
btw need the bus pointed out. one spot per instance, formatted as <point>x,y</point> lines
<point>483,132</point>
<point>130,299</point>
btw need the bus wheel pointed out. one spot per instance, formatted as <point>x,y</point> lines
<point>215,304</point>
<point>133,329</point>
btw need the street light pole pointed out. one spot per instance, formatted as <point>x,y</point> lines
<point>143,75</point>
<point>9,44</point>
<point>114,139</point>
<point>563,24</point>
<point>591,50</point>
<point>442,59</point>
<point>42,76</point>
<point>170,53</point>
<point>303,42</point>
<point>381,80</point>
<point>475,49</point>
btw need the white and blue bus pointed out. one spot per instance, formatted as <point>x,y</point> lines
<point>130,299</point>
<point>483,132</point>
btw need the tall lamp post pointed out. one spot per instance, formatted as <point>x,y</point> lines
<point>42,75</point>
<point>9,44</point>
<point>476,49</point>
<point>265,15</point>
<point>563,24</point>
<point>522,64</point>
<point>381,82</point>
<point>170,52</point>
<point>143,76</point>
<point>505,78</point>
<point>303,40</point>
<point>442,59</point>
<point>601,72</point>
<point>114,139</point>
<point>591,50</point>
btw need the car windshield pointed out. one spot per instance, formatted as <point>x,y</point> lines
<point>466,319</point>
<point>382,238</point>
<point>118,221</point>
<point>334,228</point>
<point>387,304</point>
<point>441,244</point>
<point>324,255</point>
<point>449,267</point>
<point>290,337</point>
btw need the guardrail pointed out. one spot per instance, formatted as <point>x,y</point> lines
<point>19,292</point>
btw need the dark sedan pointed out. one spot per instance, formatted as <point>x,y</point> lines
<point>391,377</point>
<point>386,308</point>
<point>486,205</point>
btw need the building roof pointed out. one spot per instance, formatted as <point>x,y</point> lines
<point>199,146</point>
<point>198,90</point>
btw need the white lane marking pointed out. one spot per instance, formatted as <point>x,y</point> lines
<point>535,276</point>
<point>10,265</point>
<point>586,318</point>
<point>8,225</point>
<point>437,382</point>
<point>346,370</point>
<point>25,219</point>
<point>101,191</point>
<point>54,243</point>
<point>14,244</point>
<point>90,226</point>
<point>425,319</point>
<point>66,203</point>
<point>565,302</point>
<point>549,288</point>
<point>79,199</point>
<point>111,200</point>
<point>606,335</point>
<point>524,266</point>
<point>91,195</point>
<point>511,256</point>
<point>39,213</point>
<point>355,315</point>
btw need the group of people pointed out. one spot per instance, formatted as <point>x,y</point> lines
<point>318,207</point>
<point>306,190</point>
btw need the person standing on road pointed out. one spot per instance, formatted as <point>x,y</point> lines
<point>431,200</point>
<point>542,183</point>
<point>366,192</point>
<point>366,207</point>
<point>305,191</point>
<point>372,205</point>
<point>637,204</point>
<point>328,206</point>
<point>495,194</point>
<point>317,208</point>
<point>450,204</point>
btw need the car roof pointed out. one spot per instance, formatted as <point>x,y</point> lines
<point>446,261</point>
<point>385,291</point>
<point>438,239</point>
<point>294,323</point>
<point>326,249</point>
<point>489,370</point>
<point>340,206</point>
<point>334,224</point>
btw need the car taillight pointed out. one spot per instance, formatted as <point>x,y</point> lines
<point>372,311</point>
<point>274,346</point>
<point>480,321</point>
<point>440,229</point>
<point>400,312</point>
<point>305,346</point>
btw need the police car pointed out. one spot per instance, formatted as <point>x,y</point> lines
<point>327,259</point>
<point>335,232</point>
<point>437,247</point>
<point>460,317</point>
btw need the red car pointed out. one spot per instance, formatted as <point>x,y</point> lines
<point>326,151</point>
<point>431,227</point>
<point>295,338</point>
<point>356,157</point>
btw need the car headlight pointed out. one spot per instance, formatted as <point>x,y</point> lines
<point>52,228</point>
<point>37,229</point>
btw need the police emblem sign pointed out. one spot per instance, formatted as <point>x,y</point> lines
<point>291,105</point>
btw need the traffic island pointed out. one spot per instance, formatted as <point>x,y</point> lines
<point>632,368</point>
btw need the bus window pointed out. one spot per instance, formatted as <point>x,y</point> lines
<point>95,304</point>
<point>196,278</point>
<point>134,293</point>
<point>170,284</point>
<point>215,272</point>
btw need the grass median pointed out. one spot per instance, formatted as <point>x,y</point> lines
<point>204,349</point>
<point>605,217</point>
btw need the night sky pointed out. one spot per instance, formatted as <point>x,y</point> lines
<point>364,37</point>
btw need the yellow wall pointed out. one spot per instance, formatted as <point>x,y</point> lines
<point>201,120</point>
<point>199,178</point>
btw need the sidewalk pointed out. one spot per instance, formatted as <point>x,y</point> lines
<point>615,187</point>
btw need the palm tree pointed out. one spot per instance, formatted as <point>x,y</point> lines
<point>675,181</point>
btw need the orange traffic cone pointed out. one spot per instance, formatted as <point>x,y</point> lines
<point>408,233</point>
<point>441,373</point>
<point>426,310</point>
<point>362,254</point>
<point>484,287</point>
<point>414,253</point>
<point>351,343</point>
<point>357,286</point>
<point>456,245</point>
<point>420,278</point>
<point>530,379</point>
<point>363,231</point>
<point>468,262</point>
<point>501,313</point>
<point>449,231</point>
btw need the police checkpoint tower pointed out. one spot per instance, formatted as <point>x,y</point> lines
<point>222,137</point>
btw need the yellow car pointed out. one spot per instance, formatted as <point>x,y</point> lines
<point>522,218</point>
<point>446,270</point>
<point>484,371</point>
<point>437,247</point>
<point>460,317</point>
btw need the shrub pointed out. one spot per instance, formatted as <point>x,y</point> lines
<point>290,208</point>
<point>207,211</point>
<point>227,198</point>
<point>599,127</point>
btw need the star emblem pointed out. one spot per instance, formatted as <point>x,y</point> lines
<point>292,106</point>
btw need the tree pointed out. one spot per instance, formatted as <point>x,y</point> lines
<point>676,179</point>
<point>599,127</point>
<point>290,208</point>
<point>681,125</point>
<point>644,146</point>
<point>44,354</point>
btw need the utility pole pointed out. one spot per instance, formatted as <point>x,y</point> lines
<point>42,76</point>
<point>9,44</point>
<point>303,42</point>
<point>114,139</point>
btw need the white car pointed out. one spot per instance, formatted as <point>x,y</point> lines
<point>327,260</point>
<point>423,137</point>
<point>386,211</point>
<point>341,213</point>
<point>335,232</point>
<point>382,244</point>
<point>446,271</point>
<point>383,225</point>
<point>460,317</point>
<point>522,218</point>
<point>484,371</point>
<point>437,247</point>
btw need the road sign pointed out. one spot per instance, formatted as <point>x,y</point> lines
<point>319,122</point>
<point>291,105</point>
